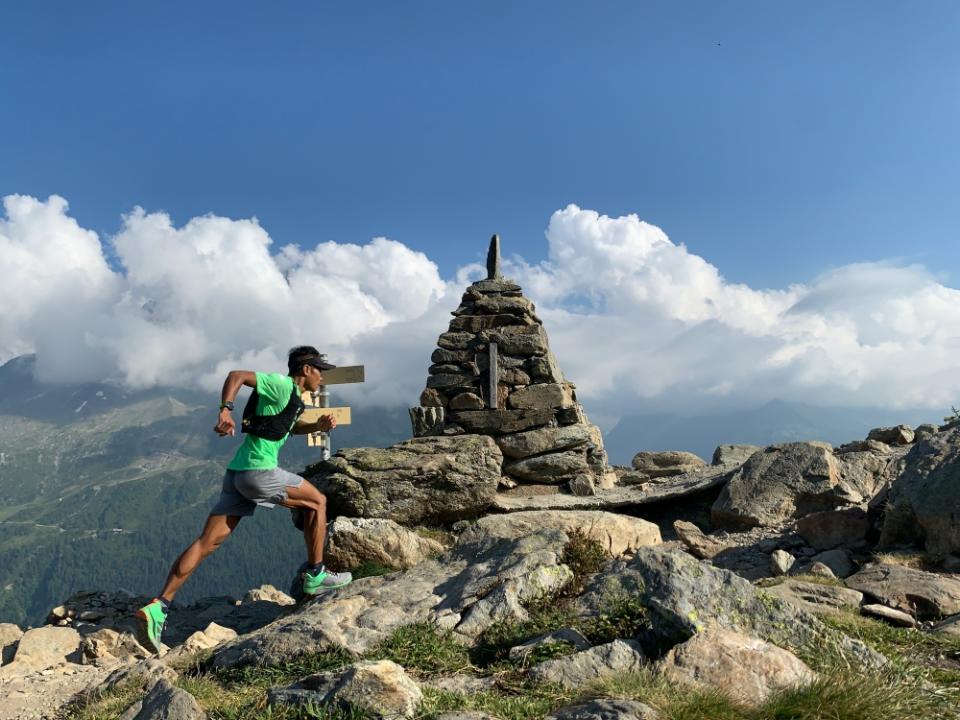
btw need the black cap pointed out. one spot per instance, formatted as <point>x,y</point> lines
<point>319,364</point>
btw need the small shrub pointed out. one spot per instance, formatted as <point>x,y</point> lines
<point>624,617</point>
<point>583,554</point>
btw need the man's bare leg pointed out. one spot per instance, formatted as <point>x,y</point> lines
<point>314,506</point>
<point>215,531</point>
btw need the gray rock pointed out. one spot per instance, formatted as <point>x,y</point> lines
<point>354,541</point>
<point>734,454</point>
<point>466,401</point>
<point>925,431</point>
<point>950,626</point>
<point>545,369</point>
<point>780,562</point>
<point>781,483</point>
<point>817,568</point>
<point>816,598</point>
<point>552,468</point>
<point>41,648</point>
<point>697,543</point>
<point>147,672</point>
<point>522,340</point>
<point>461,684</point>
<point>573,637</point>
<point>455,340</point>
<point>606,709</point>
<point>546,440</point>
<point>838,560</point>
<point>447,381</point>
<point>924,502</point>
<point>476,323</point>
<point>498,285</point>
<point>442,356</point>
<point>744,667</point>
<point>427,420</point>
<point>166,702</point>
<point>924,595</point>
<point>501,422</point>
<point>378,688</point>
<point>542,395</point>
<point>833,528</point>
<point>572,671</point>
<point>582,485</point>
<point>10,635</point>
<point>666,463</point>
<point>421,480</point>
<point>891,615</point>
<point>898,435</point>
<point>268,593</point>
<point>685,596</point>
<point>617,533</point>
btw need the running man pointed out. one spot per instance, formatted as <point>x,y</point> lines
<point>253,478</point>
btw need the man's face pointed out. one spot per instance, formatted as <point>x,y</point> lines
<point>313,377</point>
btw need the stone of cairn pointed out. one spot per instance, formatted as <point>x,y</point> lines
<point>493,373</point>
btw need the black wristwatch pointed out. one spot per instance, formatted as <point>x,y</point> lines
<point>228,405</point>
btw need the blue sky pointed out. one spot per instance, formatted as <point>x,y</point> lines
<point>776,140</point>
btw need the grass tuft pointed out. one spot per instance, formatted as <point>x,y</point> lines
<point>423,647</point>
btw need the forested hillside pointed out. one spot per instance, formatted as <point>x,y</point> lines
<point>101,488</point>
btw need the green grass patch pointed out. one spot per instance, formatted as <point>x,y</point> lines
<point>932,657</point>
<point>513,699</point>
<point>584,556</point>
<point>425,648</point>
<point>495,642</point>
<point>371,569</point>
<point>106,705</point>
<point>624,617</point>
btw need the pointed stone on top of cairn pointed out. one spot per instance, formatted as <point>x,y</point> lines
<point>493,259</point>
<point>493,373</point>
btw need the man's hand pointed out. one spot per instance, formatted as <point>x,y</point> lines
<point>327,423</point>
<point>225,424</point>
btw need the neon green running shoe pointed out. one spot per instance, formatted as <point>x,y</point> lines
<point>323,580</point>
<point>150,621</point>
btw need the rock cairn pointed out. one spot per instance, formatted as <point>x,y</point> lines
<point>494,374</point>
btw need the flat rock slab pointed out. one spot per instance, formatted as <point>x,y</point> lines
<point>891,615</point>
<point>606,709</point>
<point>617,533</point>
<point>816,598</point>
<point>745,667</point>
<point>924,595</point>
<point>380,689</point>
<point>678,486</point>
<point>41,648</point>
<point>571,671</point>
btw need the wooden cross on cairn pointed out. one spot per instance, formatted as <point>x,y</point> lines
<point>318,404</point>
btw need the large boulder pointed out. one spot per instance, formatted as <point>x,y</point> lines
<point>617,533</point>
<point>353,541</point>
<point>481,580</point>
<point>379,689</point>
<point>666,463</point>
<point>10,635</point>
<point>925,595</point>
<point>42,648</point>
<point>428,479</point>
<point>784,482</point>
<point>897,435</point>
<point>924,502</point>
<point>747,668</point>
<point>685,596</point>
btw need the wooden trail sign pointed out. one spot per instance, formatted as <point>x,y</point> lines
<point>318,404</point>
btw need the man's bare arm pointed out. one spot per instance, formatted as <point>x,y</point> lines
<point>231,386</point>
<point>324,424</point>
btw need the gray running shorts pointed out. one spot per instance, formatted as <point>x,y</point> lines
<point>243,490</point>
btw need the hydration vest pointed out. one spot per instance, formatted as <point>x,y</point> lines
<point>271,427</point>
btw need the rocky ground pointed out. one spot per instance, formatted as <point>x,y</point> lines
<point>797,580</point>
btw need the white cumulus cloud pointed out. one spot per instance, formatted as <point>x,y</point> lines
<point>635,318</point>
